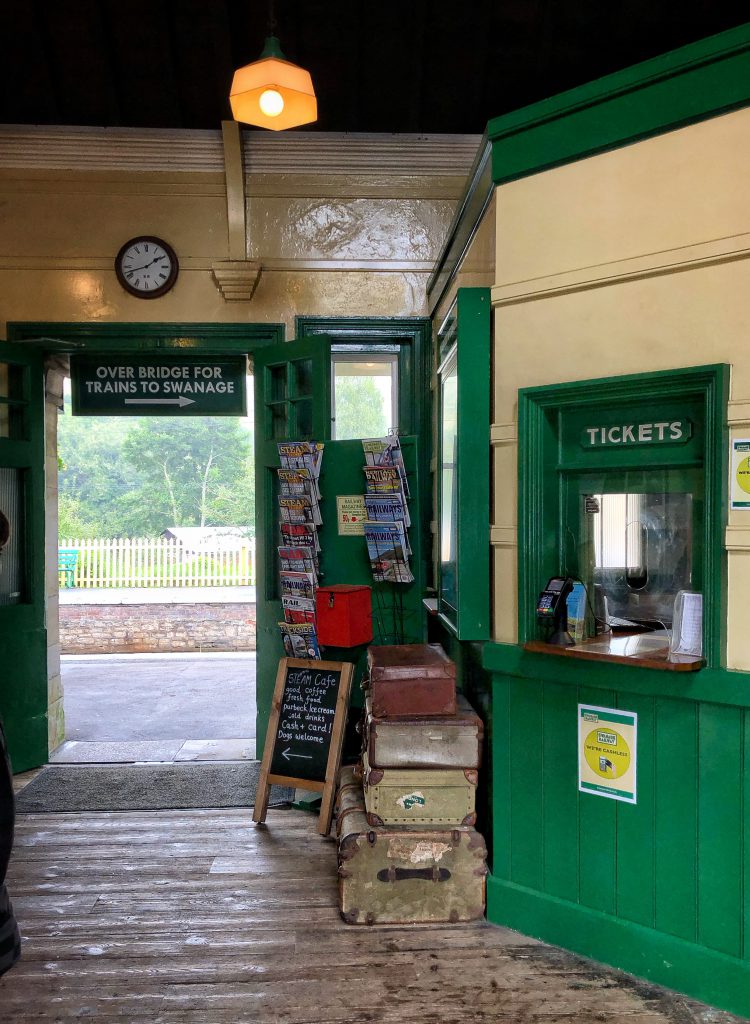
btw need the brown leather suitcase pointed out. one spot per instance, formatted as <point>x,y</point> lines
<point>406,875</point>
<point>411,679</point>
<point>448,741</point>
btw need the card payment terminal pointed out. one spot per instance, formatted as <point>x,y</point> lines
<point>552,607</point>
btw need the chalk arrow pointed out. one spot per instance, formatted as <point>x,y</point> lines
<point>160,401</point>
<point>287,755</point>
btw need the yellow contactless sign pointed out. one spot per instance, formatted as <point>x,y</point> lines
<point>740,474</point>
<point>607,752</point>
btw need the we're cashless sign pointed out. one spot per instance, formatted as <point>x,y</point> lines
<point>146,385</point>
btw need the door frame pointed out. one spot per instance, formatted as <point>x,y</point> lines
<point>65,338</point>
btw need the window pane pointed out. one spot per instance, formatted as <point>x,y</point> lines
<point>278,378</point>
<point>303,376</point>
<point>448,486</point>
<point>640,553</point>
<point>364,396</point>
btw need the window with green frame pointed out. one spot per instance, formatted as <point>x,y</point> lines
<point>463,484</point>
<point>621,486</point>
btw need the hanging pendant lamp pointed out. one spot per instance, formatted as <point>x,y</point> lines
<point>272,92</point>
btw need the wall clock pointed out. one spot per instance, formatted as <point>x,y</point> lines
<point>146,267</point>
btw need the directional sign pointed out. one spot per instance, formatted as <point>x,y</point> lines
<point>158,385</point>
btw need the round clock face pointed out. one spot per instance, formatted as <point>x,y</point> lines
<point>146,267</point>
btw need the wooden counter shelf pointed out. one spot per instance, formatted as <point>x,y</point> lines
<point>643,649</point>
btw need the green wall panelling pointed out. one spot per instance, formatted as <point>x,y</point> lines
<point>502,834</point>
<point>746,841</point>
<point>634,855</point>
<point>23,634</point>
<point>701,973</point>
<point>560,821</point>
<point>527,774</point>
<point>663,883</point>
<point>597,841</point>
<point>676,822</point>
<point>720,780</point>
<point>23,692</point>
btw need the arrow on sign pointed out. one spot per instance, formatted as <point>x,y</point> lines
<point>287,755</point>
<point>160,401</point>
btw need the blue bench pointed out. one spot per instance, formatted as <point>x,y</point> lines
<point>67,560</point>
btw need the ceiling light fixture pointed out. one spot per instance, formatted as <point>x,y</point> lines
<point>272,92</point>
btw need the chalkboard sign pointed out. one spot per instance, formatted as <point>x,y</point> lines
<point>305,731</point>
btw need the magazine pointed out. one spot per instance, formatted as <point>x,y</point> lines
<point>384,480</point>
<point>301,455</point>
<point>300,535</point>
<point>299,511</point>
<point>298,559</point>
<point>387,508</point>
<point>298,609</point>
<point>293,482</point>
<point>386,451</point>
<point>387,546</point>
<point>297,584</point>
<point>300,639</point>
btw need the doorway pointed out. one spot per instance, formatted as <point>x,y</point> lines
<point>157,588</point>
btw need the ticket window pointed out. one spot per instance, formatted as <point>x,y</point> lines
<point>634,539</point>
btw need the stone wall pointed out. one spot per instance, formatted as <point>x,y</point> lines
<point>148,628</point>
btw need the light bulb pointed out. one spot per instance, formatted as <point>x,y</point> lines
<point>271,102</point>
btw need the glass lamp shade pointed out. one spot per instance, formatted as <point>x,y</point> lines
<point>273,72</point>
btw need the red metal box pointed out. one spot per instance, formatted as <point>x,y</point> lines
<point>411,679</point>
<point>344,615</point>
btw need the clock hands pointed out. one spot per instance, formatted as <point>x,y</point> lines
<point>155,260</point>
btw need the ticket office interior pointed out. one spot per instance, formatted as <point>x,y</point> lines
<point>602,296</point>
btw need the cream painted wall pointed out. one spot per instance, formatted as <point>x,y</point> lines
<point>630,261</point>
<point>330,244</point>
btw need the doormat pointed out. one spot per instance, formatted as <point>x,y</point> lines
<point>145,787</point>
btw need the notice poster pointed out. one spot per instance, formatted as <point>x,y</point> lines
<point>739,484</point>
<point>607,752</point>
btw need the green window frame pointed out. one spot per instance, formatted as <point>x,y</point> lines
<point>547,468</point>
<point>463,466</point>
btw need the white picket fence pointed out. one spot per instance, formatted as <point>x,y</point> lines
<point>145,562</point>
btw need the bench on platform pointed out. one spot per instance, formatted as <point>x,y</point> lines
<point>67,560</point>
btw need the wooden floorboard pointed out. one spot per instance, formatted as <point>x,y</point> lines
<point>199,917</point>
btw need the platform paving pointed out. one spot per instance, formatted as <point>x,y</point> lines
<point>158,707</point>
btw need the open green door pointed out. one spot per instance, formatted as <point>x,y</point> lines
<point>23,637</point>
<point>292,402</point>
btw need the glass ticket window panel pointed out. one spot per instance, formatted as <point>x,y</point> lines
<point>11,401</point>
<point>11,536</point>
<point>365,395</point>
<point>637,553</point>
<point>449,484</point>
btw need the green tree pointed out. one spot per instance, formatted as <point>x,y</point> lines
<point>136,477</point>
<point>190,467</point>
<point>360,410</point>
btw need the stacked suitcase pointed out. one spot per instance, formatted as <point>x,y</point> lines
<point>408,851</point>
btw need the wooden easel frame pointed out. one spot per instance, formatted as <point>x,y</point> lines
<point>328,786</point>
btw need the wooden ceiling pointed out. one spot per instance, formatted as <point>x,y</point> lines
<point>378,66</point>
